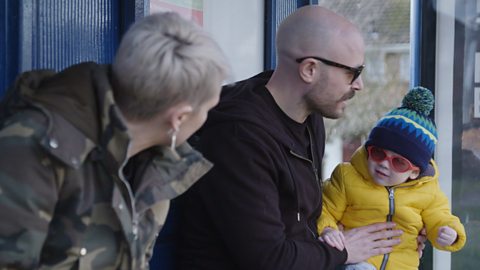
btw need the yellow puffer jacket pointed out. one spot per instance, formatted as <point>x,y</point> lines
<point>352,198</point>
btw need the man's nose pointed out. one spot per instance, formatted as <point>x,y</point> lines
<point>357,85</point>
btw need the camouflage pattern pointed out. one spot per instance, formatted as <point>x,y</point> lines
<point>64,198</point>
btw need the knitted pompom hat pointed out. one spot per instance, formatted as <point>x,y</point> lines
<point>408,130</point>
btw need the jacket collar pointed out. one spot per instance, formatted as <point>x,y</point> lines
<point>170,174</point>
<point>81,112</point>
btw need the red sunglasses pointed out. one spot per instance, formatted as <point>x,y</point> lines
<point>398,163</point>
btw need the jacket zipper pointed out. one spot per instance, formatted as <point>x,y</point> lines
<point>315,172</point>
<point>391,212</point>
<point>135,215</point>
<point>119,173</point>
<point>315,169</point>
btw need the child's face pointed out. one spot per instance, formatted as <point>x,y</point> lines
<point>388,168</point>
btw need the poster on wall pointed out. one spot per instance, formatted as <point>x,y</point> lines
<point>189,9</point>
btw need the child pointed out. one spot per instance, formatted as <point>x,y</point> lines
<point>393,178</point>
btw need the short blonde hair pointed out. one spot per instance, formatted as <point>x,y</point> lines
<point>163,60</point>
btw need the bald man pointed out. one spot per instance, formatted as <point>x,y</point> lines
<point>257,208</point>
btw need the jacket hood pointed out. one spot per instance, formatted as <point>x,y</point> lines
<point>240,102</point>
<point>79,104</point>
<point>71,93</point>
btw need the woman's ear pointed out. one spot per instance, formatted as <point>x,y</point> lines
<point>179,113</point>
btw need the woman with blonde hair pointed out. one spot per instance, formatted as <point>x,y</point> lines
<point>102,149</point>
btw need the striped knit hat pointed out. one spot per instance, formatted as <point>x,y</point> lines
<point>408,130</point>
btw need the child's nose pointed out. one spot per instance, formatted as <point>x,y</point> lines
<point>385,163</point>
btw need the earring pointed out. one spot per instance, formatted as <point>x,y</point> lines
<point>173,139</point>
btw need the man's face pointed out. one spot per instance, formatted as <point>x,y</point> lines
<point>331,92</point>
<point>337,78</point>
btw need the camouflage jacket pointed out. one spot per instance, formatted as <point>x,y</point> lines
<point>69,198</point>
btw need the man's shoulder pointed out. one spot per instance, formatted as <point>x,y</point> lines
<point>256,81</point>
<point>236,130</point>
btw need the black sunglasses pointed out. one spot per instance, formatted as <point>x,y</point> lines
<point>356,71</point>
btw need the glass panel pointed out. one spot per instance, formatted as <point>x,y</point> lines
<point>385,26</point>
<point>466,131</point>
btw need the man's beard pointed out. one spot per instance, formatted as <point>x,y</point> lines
<point>330,111</point>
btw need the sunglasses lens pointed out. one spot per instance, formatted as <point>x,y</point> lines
<point>400,164</point>
<point>355,76</point>
<point>377,154</point>
<point>357,73</point>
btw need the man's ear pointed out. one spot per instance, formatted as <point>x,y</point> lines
<point>178,114</point>
<point>307,69</point>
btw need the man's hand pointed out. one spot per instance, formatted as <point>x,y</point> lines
<point>364,242</point>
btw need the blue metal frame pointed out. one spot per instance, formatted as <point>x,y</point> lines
<point>9,37</point>
<point>130,11</point>
<point>275,12</point>
<point>49,41</point>
<point>423,18</point>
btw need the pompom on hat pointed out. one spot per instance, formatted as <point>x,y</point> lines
<point>408,130</point>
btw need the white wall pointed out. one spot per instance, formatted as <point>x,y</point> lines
<point>238,27</point>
